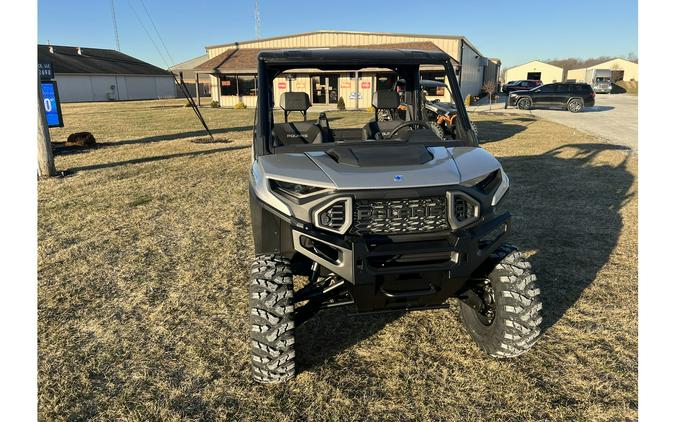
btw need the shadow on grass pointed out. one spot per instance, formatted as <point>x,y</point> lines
<point>494,130</point>
<point>157,158</point>
<point>567,209</point>
<point>333,330</point>
<point>177,136</point>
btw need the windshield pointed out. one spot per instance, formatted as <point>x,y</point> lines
<point>318,110</point>
<point>602,79</point>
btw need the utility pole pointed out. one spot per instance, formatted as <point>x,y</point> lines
<point>45,157</point>
<point>258,21</point>
<point>117,37</point>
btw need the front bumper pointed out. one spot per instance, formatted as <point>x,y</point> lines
<point>403,271</point>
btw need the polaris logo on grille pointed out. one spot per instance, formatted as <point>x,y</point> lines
<point>401,211</point>
<point>390,216</point>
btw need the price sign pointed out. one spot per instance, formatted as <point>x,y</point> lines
<point>50,96</point>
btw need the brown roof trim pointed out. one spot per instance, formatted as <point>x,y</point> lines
<point>235,60</point>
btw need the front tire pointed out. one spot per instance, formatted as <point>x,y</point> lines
<point>272,325</point>
<point>524,104</point>
<point>512,325</point>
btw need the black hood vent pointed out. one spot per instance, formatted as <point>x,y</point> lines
<point>381,156</point>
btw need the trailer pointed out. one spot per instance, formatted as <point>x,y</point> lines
<point>600,80</point>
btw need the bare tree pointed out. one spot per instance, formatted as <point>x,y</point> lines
<point>490,88</point>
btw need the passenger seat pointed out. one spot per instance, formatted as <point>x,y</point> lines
<point>296,133</point>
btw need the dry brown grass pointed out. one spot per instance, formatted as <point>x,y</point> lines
<point>143,262</point>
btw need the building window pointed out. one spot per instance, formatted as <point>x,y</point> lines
<point>228,85</point>
<point>247,86</point>
<point>241,85</point>
<point>434,76</point>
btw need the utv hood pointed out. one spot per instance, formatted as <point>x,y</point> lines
<point>393,167</point>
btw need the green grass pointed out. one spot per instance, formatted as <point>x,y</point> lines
<point>143,256</point>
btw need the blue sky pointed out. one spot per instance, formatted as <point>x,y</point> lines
<point>546,30</point>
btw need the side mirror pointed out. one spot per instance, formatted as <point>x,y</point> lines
<point>538,90</point>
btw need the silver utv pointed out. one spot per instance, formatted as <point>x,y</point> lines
<point>385,216</point>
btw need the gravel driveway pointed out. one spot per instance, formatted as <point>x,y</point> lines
<point>613,118</point>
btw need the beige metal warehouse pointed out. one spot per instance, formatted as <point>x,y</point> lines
<point>232,67</point>
<point>534,70</point>
<point>622,70</point>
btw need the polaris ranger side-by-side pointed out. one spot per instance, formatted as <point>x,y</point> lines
<point>383,216</point>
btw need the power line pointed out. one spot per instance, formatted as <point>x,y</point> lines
<point>157,32</point>
<point>117,37</point>
<point>148,34</point>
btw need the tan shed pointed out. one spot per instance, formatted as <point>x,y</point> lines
<point>534,70</point>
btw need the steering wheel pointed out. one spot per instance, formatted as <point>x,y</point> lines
<point>406,124</point>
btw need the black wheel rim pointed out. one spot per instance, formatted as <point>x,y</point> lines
<point>486,292</point>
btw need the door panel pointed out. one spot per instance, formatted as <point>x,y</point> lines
<point>318,90</point>
<point>325,89</point>
<point>332,82</point>
<point>545,95</point>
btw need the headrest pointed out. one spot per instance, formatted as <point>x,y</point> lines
<point>386,99</point>
<point>294,101</point>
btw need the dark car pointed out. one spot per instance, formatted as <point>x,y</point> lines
<point>571,96</point>
<point>519,85</point>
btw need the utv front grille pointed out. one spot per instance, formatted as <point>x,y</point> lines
<point>399,216</point>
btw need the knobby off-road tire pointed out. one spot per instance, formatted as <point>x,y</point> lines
<point>272,325</point>
<point>515,326</point>
<point>437,129</point>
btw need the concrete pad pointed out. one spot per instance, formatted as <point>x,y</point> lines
<point>613,118</point>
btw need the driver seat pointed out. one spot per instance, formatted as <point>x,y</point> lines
<point>384,100</point>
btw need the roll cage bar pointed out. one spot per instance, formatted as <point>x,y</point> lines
<point>405,63</point>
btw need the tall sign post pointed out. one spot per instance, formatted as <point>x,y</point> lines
<point>46,167</point>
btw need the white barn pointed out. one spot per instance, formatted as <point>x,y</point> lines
<point>94,74</point>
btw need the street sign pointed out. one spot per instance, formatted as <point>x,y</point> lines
<point>46,71</point>
<point>50,96</point>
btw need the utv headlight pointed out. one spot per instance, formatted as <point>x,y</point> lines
<point>502,189</point>
<point>295,190</point>
<point>335,216</point>
<point>462,209</point>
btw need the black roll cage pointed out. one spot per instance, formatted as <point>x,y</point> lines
<point>405,63</point>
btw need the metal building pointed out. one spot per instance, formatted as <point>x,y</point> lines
<point>95,74</point>
<point>232,67</point>
<point>534,70</point>
<point>622,70</point>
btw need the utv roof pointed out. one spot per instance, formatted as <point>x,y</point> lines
<point>347,58</point>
